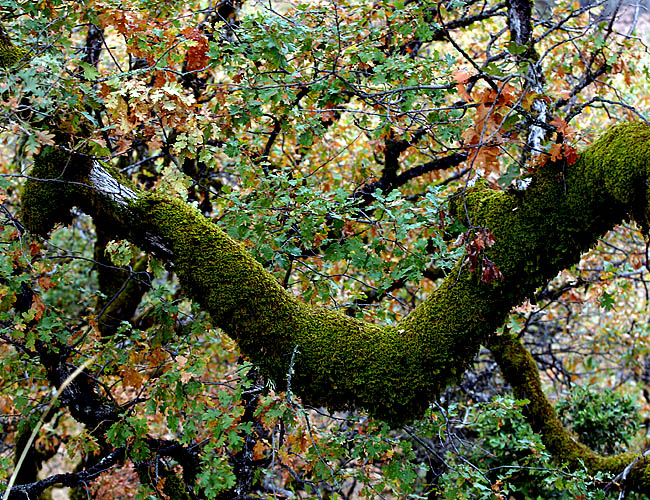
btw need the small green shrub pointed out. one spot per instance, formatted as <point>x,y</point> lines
<point>604,421</point>
<point>504,458</point>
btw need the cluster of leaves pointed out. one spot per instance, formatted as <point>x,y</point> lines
<point>507,459</point>
<point>476,258</point>
<point>605,421</point>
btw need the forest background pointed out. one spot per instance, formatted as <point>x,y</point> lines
<point>347,146</point>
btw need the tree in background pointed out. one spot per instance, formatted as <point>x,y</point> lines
<point>220,219</point>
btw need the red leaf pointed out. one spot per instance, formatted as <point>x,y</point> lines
<point>489,272</point>
<point>570,154</point>
<point>197,54</point>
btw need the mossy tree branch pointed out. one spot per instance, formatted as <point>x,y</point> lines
<point>393,371</point>
<point>521,372</point>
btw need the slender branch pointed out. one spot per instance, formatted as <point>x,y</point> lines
<point>386,184</point>
<point>520,371</point>
<point>33,490</point>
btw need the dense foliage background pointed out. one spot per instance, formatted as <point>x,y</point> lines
<point>325,136</point>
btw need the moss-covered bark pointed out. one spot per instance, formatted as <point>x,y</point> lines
<point>520,371</point>
<point>10,55</point>
<point>339,361</point>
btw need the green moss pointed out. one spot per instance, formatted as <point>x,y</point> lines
<point>339,361</point>
<point>545,229</point>
<point>9,53</point>
<point>174,488</point>
<point>59,181</point>
<point>520,371</point>
<point>49,195</point>
<point>617,167</point>
<point>173,485</point>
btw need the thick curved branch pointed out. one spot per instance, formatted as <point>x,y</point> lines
<point>393,371</point>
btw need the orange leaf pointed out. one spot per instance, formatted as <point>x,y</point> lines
<point>38,306</point>
<point>462,77</point>
<point>564,152</point>
<point>34,248</point>
<point>508,94</point>
<point>561,125</point>
<point>197,55</point>
<point>556,152</point>
<point>488,156</point>
<point>258,451</point>
<point>131,377</point>
<point>156,357</point>
<point>45,283</point>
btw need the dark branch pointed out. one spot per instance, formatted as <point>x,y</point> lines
<point>387,184</point>
<point>33,490</point>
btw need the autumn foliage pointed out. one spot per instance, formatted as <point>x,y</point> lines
<point>327,138</point>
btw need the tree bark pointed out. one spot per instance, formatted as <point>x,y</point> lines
<point>393,371</point>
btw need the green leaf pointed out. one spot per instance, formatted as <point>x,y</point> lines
<point>516,49</point>
<point>607,301</point>
<point>306,139</point>
<point>90,72</point>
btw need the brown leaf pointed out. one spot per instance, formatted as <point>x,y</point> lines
<point>34,248</point>
<point>45,283</point>
<point>258,451</point>
<point>38,306</point>
<point>44,138</point>
<point>562,126</point>
<point>131,377</point>
<point>556,152</point>
<point>489,272</point>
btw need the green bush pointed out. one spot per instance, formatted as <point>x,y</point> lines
<point>504,458</point>
<point>604,421</point>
